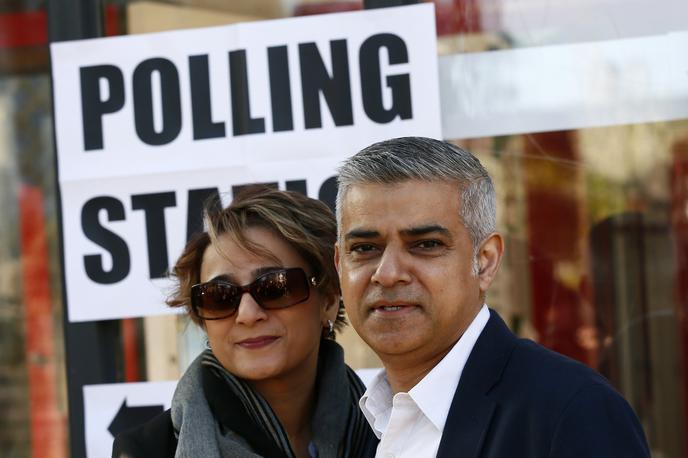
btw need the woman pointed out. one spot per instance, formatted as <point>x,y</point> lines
<point>262,283</point>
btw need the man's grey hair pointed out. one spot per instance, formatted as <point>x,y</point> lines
<point>426,159</point>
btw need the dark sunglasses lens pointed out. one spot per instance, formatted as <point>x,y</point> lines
<point>215,300</point>
<point>281,289</point>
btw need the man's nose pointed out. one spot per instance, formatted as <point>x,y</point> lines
<point>249,312</point>
<point>392,268</point>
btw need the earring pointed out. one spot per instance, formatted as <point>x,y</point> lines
<point>330,329</point>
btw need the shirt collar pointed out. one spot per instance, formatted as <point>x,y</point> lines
<point>376,403</point>
<point>434,393</point>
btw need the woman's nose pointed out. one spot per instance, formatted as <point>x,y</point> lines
<point>249,312</point>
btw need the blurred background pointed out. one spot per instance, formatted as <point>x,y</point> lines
<point>580,106</point>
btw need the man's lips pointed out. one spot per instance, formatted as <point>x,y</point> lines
<point>257,342</point>
<point>392,307</point>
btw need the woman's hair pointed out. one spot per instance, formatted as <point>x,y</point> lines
<point>306,224</point>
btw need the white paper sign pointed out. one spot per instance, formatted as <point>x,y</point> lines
<point>565,87</point>
<point>113,408</point>
<point>147,125</point>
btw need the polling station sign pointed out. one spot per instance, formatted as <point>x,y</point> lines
<point>110,409</point>
<point>149,126</point>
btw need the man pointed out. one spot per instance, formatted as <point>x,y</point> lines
<point>417,251</point>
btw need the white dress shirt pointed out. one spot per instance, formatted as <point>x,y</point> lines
<point>410,424</point>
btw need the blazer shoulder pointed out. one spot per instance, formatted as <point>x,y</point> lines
<point>600,414</point>
<point>542,362</point>
<point>543,377</point>
<point>153,439</point>
<point>526,366</point>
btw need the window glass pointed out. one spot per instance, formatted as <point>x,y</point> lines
<point>578,110</point>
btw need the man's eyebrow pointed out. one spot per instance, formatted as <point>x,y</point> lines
<point>425,230</point>
<point>361,234</point>
<point>409,232</point>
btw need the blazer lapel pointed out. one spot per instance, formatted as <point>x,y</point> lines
<point>473,408</point>
<point>466,436</point>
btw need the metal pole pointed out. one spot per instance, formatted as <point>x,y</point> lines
<point>74,19</point>
<point>91,348</point>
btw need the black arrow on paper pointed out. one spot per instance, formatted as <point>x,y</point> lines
<point>128,417</point>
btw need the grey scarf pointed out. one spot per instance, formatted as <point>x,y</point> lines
<point>198,434</point>
<point>339,429</point>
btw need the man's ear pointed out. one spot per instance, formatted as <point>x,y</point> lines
<point>489,258</point>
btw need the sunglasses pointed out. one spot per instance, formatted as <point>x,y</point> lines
<point>215,300</point>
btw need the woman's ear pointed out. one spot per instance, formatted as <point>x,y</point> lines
<point>331,308</point>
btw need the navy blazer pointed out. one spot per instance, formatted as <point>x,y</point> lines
<point>518,399</point>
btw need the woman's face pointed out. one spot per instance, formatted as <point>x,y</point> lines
<point>254,343</point>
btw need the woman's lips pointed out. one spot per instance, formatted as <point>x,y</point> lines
<point>257,342</point>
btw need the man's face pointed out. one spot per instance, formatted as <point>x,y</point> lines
<point>404,260</point>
